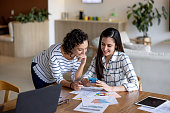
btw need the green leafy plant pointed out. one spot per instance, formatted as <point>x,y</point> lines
<point>143,15</point>
<point>39,15</point>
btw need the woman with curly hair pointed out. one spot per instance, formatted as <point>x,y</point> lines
<point>49,66</point>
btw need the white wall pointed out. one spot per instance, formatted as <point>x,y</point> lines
<point>55,7</point>
<point>158,33</point>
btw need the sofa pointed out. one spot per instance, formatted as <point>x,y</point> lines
<point>153,69</point>
<point>7,42</point>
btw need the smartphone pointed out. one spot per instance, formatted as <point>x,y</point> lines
<point>92,80</point>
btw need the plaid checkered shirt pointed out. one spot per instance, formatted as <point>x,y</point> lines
<point>119,71</point>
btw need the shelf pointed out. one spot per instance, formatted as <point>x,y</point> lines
<point>94,21</point>
<point>92,28</point>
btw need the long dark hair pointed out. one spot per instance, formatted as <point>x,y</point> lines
<point>72,39</point>
<point>111,33</point>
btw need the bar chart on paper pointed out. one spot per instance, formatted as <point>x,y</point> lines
<point>100,101</point>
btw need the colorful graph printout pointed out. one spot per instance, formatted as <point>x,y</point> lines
<point>101,94</point>
<point>100,101</point>
<point>104,93</point>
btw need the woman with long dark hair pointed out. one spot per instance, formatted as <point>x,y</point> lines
<point>49,66</point>
<point>111,65</point>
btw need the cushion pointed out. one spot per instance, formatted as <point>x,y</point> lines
<point>95,42</point>
<point>139,47</point>
<point>124,37</point>
<point>150,55</point>
<point>11,30</point>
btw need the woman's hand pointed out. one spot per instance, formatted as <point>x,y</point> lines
<point>104,86</point>
<point>76,86</point>
<point>86,82</point>
<point>82,58</point>
<point>109,88</point>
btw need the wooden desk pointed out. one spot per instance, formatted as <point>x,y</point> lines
<point>125,105</point>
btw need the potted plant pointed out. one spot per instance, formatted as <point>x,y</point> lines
<point>31,33</point>
<point>39,15</point>
<point>143,15</point>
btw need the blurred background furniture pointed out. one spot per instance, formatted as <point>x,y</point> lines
<point>7,41</point>
<point>30,39</point>
<point>140,83</point>
<point>145,41</point>
<point>92,28</point>
<point>152,65</point>
<point>8,87</point>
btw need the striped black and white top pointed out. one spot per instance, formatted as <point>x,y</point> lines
<point>51,65</point>
<point>119,71</point>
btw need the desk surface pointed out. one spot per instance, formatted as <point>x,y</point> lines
<point>125,105</point>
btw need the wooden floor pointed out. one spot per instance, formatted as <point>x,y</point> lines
<point>16,71</point>
<point>6,48</point>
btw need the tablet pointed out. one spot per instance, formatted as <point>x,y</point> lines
<point>151,102</point>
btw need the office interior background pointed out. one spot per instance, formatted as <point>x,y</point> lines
<point>17,70</point>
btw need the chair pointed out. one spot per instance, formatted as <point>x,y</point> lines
<point>140,84</point>
<point>8,87</point>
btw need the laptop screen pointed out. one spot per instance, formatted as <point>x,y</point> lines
<point>43,100</point>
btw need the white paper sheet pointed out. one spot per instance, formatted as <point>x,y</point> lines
<point>98,100</point>
<point>91,109</point>
<point>148,109</point>
<point>93,91</point>
<point>163,108</point>
<point>83,94</point>
<point>105,93</point>
<point>94,99</point>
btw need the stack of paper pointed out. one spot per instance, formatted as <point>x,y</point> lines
<point>94,99</point>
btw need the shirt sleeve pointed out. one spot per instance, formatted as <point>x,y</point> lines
<point>130,74</point>
<point>56,72</point>
<point>91,70</point>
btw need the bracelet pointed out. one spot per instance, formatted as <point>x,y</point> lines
<point>71,84</point>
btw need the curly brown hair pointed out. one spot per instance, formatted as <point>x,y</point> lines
<point>72,39</point>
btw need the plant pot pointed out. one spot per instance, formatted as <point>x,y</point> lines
<point>143,40</point>
<point>140,40</point>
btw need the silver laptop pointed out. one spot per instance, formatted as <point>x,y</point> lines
<point>43,100</point>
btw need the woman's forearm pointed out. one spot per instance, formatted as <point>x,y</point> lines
<point>79,72</point>
<point>65,83</point>
<point>119,88</point>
